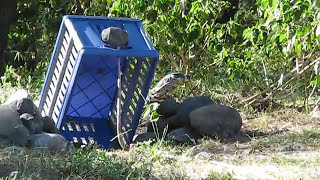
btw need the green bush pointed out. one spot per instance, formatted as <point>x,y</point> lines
<point>255,50</point>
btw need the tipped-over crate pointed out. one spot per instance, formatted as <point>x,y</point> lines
<point>80,89</point>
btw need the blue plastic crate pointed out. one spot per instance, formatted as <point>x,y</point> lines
<point>80,89</point>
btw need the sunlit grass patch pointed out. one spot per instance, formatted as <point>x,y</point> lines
<point>310,138</point>
<point>216,175</point>
<point>299,161</point>
<point>312,133</point>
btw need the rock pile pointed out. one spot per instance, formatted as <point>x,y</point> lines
<point>194,118</point>
<point>22,124</point>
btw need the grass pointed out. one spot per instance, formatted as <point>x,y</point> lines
<point>164,160</point>
<point>289,139</point>
<point>215,175</point>
<point>285,160</point>
<point>76,164</point>
<point>287,144</point>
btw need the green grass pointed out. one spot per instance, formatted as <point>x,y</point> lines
<point>284,160</point>
<point>77,164</point>
<point>309,138</point>
<point>215,175</point>
<point>144,162</point>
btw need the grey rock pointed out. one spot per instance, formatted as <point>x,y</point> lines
<point>11,126</point>
<point>144,137</point>
<point>163,123</point>
<point>25,105</point>
<point>168,107</point>
<point>188,105</point>
<point>29,114</point>
<point>184,135</point>
<point>33,123</point>
<point>181,118</point>
<point>114,36</point>
<point>19,94</point>
<point>20,136</point>
<point>216,120</point>
<point>53,142</point>
<point>49,125</point>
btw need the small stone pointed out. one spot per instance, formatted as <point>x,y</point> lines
<point>53,142</point>
<point>114,36</point>
<point>184,135</point>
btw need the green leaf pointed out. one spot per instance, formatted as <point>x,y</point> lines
<point>265,3</point>
<point>282,38</point>
<point>316,81</point>
<point>274,4</point>
<point>298,48</point>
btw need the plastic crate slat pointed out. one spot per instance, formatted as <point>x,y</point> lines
<point>72,60</point>
<point>59,62</point>
<point>63,52</point>
<point>60,100</point>
<point>66,34</point>
<point>65,45</point>
<point>57,73</point>
<point>69,69</point>
<point>45,109</point>
<point>48,102</point>
<point>65,82</point>
<point>133,74</point>
<point>60,58</point>
<point>55,116</point>
<point>56,110</point>
<point>62,73</point>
